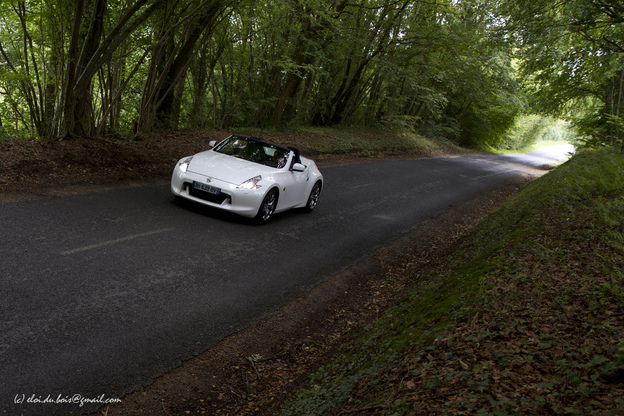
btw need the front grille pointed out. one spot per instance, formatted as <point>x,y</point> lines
<point>206,196</point>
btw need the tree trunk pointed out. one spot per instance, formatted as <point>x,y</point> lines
<point>78,115</point>
<point>88,53</point>
<point>173,73</point>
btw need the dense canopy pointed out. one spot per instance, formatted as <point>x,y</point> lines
<point>463,70</point>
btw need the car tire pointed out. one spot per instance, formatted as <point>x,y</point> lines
<point>267,207</point>
<point>314,197</point>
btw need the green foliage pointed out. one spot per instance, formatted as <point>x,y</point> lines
<point>4,135</point>
<point>437,69</point>
<point>464,71</point>
<point>571,62</point>
<point>530,131</point>
<point>495,101</point>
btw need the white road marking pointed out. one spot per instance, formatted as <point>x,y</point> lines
<point>362,186</point>
<point>111,242</point>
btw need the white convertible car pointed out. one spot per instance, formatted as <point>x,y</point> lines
<point>249,177</point>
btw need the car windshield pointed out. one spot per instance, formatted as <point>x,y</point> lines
<point>254,151</point>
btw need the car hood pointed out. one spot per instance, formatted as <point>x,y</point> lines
<point>226,168</point>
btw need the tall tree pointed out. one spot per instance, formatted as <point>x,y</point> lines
<point>173,53</point>
<point>89,49</point>
<point>30,49</point>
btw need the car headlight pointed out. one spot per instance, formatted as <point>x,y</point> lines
<point>251,183</point>
<point>183,165</point>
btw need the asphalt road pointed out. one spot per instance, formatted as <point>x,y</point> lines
<point>102,292</point>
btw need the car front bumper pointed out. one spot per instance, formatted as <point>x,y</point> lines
<point>244,202</point>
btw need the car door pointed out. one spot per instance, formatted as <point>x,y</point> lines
<point>293,186</point>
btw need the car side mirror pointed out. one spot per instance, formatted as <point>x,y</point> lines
<point>212,143</point>
<point>298,167</point>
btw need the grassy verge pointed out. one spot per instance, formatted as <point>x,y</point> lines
<point>526,317</point>
<point>356,142</point>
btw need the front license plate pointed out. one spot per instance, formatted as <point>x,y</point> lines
<point>206,188</point>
